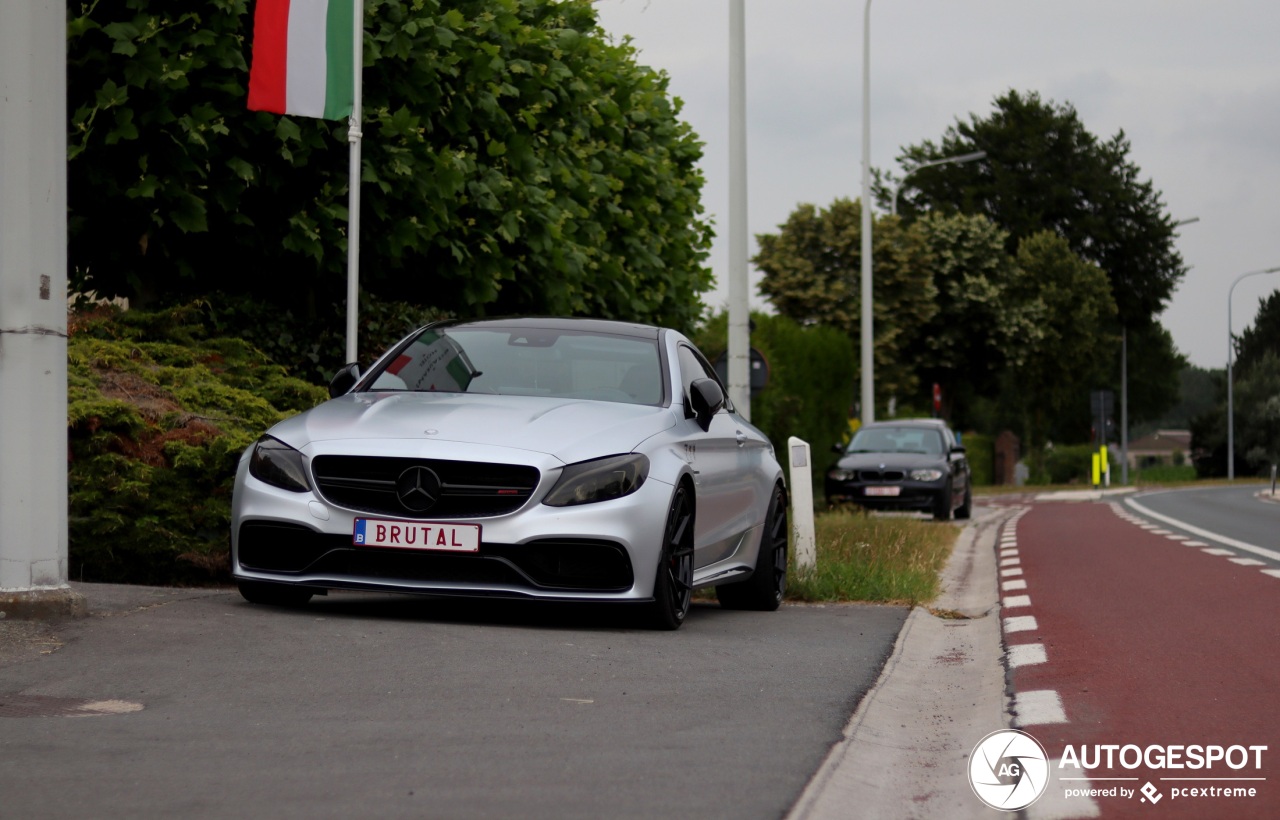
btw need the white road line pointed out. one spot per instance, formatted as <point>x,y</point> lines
<point>1014,601</point>
<point>1274,573</point>
<point>1039,707</point>
<point>1010,562</point>
<point>1179,538</point>
<point>1008,553</point>
<point>1158,531</point>
<point>1216,551</point>
<point>1248,562</point>
<point>1010,571</point>
<point>1221,539</point>
<point>1194,544</point>
<point>1020,623</point>
<point>1017,583</point>
<point>1027,654</point>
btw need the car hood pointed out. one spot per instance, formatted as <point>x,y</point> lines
<point>894,461</point>
<point>568,429</point>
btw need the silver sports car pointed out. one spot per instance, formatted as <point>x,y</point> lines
<point>562,459</point>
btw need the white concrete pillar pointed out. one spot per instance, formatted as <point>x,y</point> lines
<point>33,311</point>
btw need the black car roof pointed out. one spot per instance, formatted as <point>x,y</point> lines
<point>600,326</point>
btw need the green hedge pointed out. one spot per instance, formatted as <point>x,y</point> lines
<point>158,415</point>
<point>981,452</point>
<point>811,383</point>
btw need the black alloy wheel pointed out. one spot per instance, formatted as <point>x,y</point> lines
<point>767,586</point>
<point>673,586</point>
<point>965,511</point>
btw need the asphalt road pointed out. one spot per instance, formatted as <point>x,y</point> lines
<point>380,706</point>
<point>1233,512</point>
<point>1123,632</point>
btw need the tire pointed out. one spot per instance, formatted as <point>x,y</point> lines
<point>942,510</point>
<point>673,584</point>
<point>965,511</point>
<point>268,594</point>
<point>764,590</point>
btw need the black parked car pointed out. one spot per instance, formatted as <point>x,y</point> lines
<point>914,464</point>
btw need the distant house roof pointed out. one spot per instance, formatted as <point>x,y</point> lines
<point>1162,441</point>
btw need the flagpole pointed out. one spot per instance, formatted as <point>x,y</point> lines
<point>353,185</point>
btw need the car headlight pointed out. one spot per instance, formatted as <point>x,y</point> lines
<point>600,480</point>
<point>279,465</point>
<point>926,475</point>
<point>837,474</point>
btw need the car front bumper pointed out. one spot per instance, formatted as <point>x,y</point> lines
<point>911,495</point>
<point>605,551</point>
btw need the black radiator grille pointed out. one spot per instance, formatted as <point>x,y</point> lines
<point>457,489</point>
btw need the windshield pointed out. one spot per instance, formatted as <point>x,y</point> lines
<point>527,362</point>
<point>897,440</point>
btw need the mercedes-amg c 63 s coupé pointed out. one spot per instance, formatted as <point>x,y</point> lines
<point>558,459</point>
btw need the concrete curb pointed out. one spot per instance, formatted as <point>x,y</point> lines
<point>43,604</point>
<point>906,749</point>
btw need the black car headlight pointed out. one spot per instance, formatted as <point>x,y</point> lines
<point>600,480</point>
<point>926,475</point>
<point>837,474</point>
<point>279,465</point>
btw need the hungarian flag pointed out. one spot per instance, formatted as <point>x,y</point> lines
<point>302,58</point>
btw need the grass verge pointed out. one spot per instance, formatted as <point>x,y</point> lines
<point>882,559</point>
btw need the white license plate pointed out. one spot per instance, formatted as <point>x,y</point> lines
<point>416,535</point>
<point>884,491</point>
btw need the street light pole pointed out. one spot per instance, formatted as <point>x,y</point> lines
<point>739,340</point>
<point>868,359</point>
<point>897,189</point>
<point>1231,344</point>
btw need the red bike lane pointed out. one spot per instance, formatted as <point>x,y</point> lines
<point>1150,643</point>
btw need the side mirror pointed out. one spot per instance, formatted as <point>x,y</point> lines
<point>705,400</point>
<point>958,449</point>
<point>344,380</point>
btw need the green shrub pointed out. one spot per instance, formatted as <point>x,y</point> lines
<point>811,377</point>
<point>313,348</point>
<point>158,415</point>
<point>981,452</point>
<point>1070,464</point>
<point>1164,473</point>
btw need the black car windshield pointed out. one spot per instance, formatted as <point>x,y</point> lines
<point>897,440</point>
<point>550,362</point>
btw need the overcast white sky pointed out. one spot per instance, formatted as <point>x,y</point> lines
<point>1194,84</point>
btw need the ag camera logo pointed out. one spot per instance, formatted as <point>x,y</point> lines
<point>1008,770</point>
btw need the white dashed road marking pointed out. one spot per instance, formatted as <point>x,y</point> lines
<point>1020,623</point>
<point>1039,707</point>
<point>1014,601</point>
<point>1027,654</point>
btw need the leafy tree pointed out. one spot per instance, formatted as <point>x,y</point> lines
<point>1045,171</point>
<point>1256,400</point>
<point>1199,390</point>
<point>986,317</point>
<point>515,159</point>
<point>812,274</point>
<point>1154,368</point>
<point>1261,337</point>
<point>1257,405</point>
<point>1072,307</point>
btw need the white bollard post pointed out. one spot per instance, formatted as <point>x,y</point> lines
<point>802,504</point>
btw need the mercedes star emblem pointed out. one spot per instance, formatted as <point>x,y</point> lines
<point>418,488</point>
